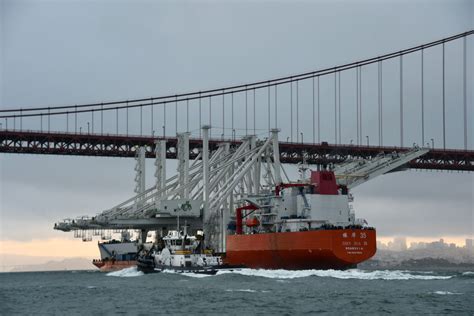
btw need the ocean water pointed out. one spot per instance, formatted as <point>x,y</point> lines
<point>242,292</point>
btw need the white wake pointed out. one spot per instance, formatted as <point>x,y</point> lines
<point>188,274</point>
<point>347,274</point>
<point>126,273</point>
<point>294,274</point>
<point>446,293</point>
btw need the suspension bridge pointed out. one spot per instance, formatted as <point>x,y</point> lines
<point>415,97</point>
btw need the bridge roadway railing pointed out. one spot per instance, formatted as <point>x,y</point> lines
<point>112,145</point>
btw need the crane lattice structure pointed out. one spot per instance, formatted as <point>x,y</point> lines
<point>205,191</point>
<point>202,193</point>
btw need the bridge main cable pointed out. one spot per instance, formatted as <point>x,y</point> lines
<point>81,108</point>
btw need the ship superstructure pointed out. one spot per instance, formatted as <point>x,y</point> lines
<point>303,225</point>
<point>250,211</point>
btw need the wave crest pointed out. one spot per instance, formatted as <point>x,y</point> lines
<point>126,273</point>
<point>446,293</point>
<point>188,274</point>
<point>346,274</point>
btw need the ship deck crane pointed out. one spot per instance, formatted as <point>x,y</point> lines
<point>354,173</point>
<point>204,191</point>
<point>220,177</point>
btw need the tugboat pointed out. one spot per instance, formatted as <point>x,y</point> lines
<point>180,252</point>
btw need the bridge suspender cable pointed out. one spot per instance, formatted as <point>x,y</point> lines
<point>422,98</point>
<point>107,106</point>
<point>465,93</point>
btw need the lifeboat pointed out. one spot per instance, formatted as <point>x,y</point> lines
<point>252,222</point>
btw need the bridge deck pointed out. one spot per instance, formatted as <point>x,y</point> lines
<point>34,142</point>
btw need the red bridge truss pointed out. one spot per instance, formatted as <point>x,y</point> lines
<point>32,142</point>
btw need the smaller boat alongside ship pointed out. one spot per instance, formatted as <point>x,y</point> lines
<point>180,252</point>
<point>117,254</point>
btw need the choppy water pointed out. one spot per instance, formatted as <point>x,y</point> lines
<point>242,292</point>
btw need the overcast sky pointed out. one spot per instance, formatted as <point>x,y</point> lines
<point>69,52</point>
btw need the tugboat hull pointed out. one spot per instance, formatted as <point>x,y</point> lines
<point>147,265</point>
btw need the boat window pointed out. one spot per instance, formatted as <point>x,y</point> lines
<point>179,242</point>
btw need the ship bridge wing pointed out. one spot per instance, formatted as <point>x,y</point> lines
<point>357,172</point>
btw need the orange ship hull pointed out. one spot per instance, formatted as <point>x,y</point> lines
<point>113,265</point>
<point>318,249</point>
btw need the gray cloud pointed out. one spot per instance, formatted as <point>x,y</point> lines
<point>418,204</point>
<point>71,52</point>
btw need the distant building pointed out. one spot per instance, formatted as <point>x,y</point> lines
<point>437,245</point>
<point>422,245</point>
<point>417,245</point>
<point>469,244</point>
<point>381,245</point>
<point>399,244</point>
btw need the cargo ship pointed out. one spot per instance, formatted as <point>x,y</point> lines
<point>231,208</point>
<point>303,225</point>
